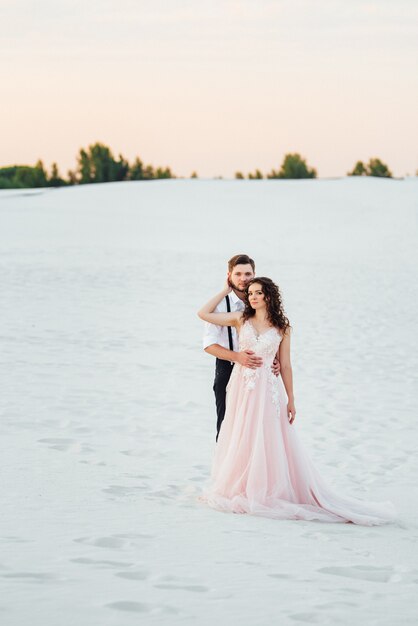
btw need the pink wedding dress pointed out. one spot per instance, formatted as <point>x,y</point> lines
<point>260,465</point>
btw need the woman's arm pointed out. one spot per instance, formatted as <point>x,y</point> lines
<point>287,375</point>
<point>207,314</point>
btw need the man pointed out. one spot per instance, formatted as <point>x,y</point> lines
<point>222,341</point>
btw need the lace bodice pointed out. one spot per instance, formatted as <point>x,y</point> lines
<point>264,345</point>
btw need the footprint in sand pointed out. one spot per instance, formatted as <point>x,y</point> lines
<point>318,536</point>
<point>62,442</point>
<point>132,452</point>
<point>121,491</point>
<point>172,582</point>
<point>195,588</point>
<point>95,463</point>
<point>346,590</point>
<point>66,445</point>
<point>136,476</point>
<point>133,607</point>
<point>169,493</point>
<point>364,553</point>
<point>141,607</point>
<point>15,539</point>
<point>101,564</point>
<point>337,604</point>
<point>311,618</point>
<point>36,577</point>
<point>134,575</point>
<point>364,572</point>
<point>114,542</point>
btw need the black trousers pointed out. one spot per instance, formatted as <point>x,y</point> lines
<point>223,371</point>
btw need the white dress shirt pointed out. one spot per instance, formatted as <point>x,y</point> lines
<point>219,334</point>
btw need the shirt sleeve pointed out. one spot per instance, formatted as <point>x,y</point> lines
<point>212,334</point>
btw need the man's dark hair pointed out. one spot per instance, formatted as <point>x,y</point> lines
<point>240,259</point>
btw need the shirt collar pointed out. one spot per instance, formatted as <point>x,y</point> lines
<point>235,298</point>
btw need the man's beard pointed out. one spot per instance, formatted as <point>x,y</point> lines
<point>234,286</point>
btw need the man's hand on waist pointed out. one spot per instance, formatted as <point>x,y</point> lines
<point>247,358</point>
<point>275,368</point>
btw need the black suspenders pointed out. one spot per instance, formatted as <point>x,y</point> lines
<point>228,308</point>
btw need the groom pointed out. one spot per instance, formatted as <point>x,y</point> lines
<point>222,341</point>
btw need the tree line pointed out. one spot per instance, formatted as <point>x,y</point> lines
<point>97,164</point>
<point>295,166</point>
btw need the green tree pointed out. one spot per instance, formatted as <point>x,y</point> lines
<point>293,166</point>
<point>136,171</point>
<point>194,175</point>
<point>40,176</point>
<point>163,172</point>
<point>55,179</point>
<point>358,170</point>
<point>98,165</point>
<point>84,168</point>
<point>256,176</point>
<point>239,175</point>
<point>23,176</point>
<point>121,169</point>
<point>149,173</point>
<point>377,168</point>
<point>8,177</point>
<point>72,177</point>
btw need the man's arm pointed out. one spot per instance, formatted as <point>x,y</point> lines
<point>211,344</point>
<point>247,358</point>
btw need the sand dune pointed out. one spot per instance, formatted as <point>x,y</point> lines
<point>108,421</point>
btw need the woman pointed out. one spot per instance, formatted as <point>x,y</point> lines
<point>260,466</point>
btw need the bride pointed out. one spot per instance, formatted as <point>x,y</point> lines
<point>260,465</point>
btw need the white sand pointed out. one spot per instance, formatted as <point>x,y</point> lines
<point>108,418</point>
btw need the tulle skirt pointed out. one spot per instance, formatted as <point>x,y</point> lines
<point>261,467</point>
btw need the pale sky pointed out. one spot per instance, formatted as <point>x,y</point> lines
<point>214,86</point>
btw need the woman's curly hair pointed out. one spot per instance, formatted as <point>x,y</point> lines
<point>274,304</point>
